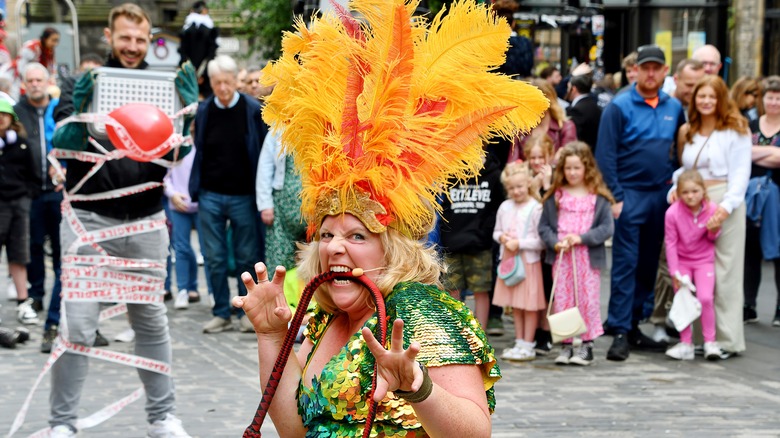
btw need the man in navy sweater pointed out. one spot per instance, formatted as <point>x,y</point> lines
<point>229,133</point>
<point>636,153</point>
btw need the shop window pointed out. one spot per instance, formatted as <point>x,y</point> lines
<point>678,31</point>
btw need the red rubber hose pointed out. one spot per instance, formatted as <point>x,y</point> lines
<point>253,430</point>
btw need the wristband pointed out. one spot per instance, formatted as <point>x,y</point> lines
<point>421,394</point>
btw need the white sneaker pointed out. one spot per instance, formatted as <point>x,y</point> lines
<point>25,313</point>
<point>170,427</point>
<point>712,351</point>
<point>519,354</point>
<point>12,295</point>
<point>62,431</point>
<point>681,351</point>
<point>659,334</point>
<point>182,300</point>
<point>567,352</point>
<point>127,336</point>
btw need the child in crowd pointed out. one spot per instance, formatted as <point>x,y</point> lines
<point>18,185</point>
<point>577,217</point>
<point>517,221</point>
<point>183,214</point>
<point>690,250</point>
<point>539,154</point>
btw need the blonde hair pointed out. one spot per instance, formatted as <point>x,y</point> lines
<point>541,140</point>
<point>405,260</point>
<point>556,112</point>
<point>519,168</point>
<point>693,176</point>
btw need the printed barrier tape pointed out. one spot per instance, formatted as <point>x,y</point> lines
<point>98,261</point>
<point>99,416</point>
<point>56,351</point>
<point>117,357</point>
<point>99,277</point>
<point>117,276</point>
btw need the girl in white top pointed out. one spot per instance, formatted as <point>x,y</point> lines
<point>517,223</point>
<point>716,142</point>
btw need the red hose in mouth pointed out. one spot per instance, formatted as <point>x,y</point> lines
<point>357,274</point>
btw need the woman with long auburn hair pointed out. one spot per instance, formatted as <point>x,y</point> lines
<point>716,142</point>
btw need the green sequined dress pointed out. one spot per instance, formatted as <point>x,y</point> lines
<point>336,402</point>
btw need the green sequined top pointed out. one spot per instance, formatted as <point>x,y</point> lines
<point>336,404</point>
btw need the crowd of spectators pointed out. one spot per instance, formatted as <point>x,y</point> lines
<point>241,195</point>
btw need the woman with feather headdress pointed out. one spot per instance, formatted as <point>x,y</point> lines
<point>378,116</point>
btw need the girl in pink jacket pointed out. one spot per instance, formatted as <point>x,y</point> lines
<point>690,250</point>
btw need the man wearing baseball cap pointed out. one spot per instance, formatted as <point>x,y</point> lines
<point>636,153</point>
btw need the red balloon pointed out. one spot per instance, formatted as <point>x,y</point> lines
<point>146,125</point>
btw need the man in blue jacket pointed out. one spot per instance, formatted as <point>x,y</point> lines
<point>229,134</point>
<point>636,153</point>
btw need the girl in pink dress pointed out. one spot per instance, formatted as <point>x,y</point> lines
<point>577,217</point>
<point>516,229</point>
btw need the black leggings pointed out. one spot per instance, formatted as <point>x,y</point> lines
<point>753,262</point>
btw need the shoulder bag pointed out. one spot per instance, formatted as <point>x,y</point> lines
<point>511,269</point>
<point>568,323</point>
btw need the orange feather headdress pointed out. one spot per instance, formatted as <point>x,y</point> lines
<point>379,114</point>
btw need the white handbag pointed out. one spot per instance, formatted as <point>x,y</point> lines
<point>568,323</point>
<point>686,308</point>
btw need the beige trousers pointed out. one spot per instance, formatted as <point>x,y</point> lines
<point>729,276</point>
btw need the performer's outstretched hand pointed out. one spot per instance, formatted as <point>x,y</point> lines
<point>396,367</point>
<point>264,303</point>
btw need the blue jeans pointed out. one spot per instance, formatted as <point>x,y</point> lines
<point>186,261</point>
<point>45,217</point>
<point>214,211</point>
<point>168,261</point>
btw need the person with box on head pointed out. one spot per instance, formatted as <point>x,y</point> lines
<point>128,34</point>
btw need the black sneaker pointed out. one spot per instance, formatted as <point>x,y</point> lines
<point>24,334</point>
<point>37,305</point>
<point>168,296</point>
<point>584,355</point>
<point>749,315</point>
<point>100,340</point>
<point>8,338</point>
<point>619,350</point>
<point>543,341</point>
<point>640,341</point>
<point>48,339</point>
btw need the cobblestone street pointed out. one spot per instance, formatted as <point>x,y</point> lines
<point>217,387</point>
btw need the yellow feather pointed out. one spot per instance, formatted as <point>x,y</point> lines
<point>348,107</point>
